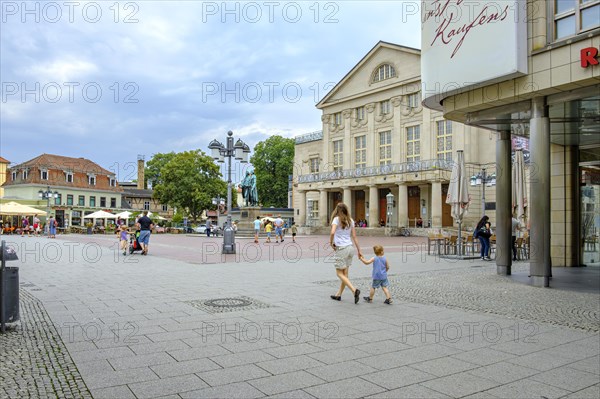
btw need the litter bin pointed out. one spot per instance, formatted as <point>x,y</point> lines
<point>9,287</point>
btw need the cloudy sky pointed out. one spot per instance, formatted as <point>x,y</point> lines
<point>108,81</point>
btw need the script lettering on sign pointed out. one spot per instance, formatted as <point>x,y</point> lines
<point>451,30</point>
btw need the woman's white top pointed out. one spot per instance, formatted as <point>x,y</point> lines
<point>342,237</point>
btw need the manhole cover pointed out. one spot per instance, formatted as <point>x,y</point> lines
<point>228,302</point>
<point>231,304</point>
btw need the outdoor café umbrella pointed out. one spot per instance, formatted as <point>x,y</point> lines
<point>458,193</point>
<point>16,209</point>
<point>100,215</point>
<point>519,190</point>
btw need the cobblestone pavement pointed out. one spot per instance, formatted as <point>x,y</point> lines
<point>146,327</point>
<point>35,362</point>
<point>481,289</point>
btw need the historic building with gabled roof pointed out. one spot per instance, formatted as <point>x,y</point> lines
<point>377,139</point>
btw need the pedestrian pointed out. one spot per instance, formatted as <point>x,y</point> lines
<point>145,225</point>
<point>341,238</point>
<point>37,225</point>
<point>516,227</point>
<point>380,269</point>
<point>208,226</point>
<point>52,227</point>
<point>257,226</point>
<point>278,229</point>
<point>268,229</point>
<point>483,233</point>
<point>123,239</point>
<point>24,226</point>
<point>294,231</point>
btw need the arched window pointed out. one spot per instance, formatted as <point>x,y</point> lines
<point>383,72</point>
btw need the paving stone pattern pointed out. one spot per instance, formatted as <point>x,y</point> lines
<point>481,289</point>
<point>34,361</point>
<point>232,304</point>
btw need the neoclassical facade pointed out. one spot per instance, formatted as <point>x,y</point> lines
<point>377,139</point>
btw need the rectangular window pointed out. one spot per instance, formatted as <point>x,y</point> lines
<point>14,176</point>
<point>360,113</point>
<point>81,201</point>
<point>360,151</point>
<point>70,199</point>
<point>413,100</point>
<point>165,208</point>
<point>313,165</point>
<point>112,182</point>
<point>413,143</point>
<point>338,155</point>
<point>146,205</point>
<point>386,107</point>
<point>92,201</point>
<point>44,174</point>
<point>572,17</point>
<point>444,140</point>
<point>58,199</point>
<point>113,202</point>
<point>385,148</point>
<point>92,180</point>
<point>102,202</point>
<point>337,118</point>
<point>313,209</point>
<point>25,174</point>
<point>69,177</point>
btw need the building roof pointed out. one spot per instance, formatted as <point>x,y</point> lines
<point>135,192</point>
<point>2,160</point>
<point>360,63</point>
<point>51,161</point>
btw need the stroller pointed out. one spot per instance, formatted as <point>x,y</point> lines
<point>134,244</point>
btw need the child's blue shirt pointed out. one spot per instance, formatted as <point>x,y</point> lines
<point>379,271</point>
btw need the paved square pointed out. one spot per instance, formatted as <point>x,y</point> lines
<point>185,322</point>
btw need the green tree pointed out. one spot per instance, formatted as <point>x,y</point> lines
<point>153,167</point>
<point>190,180</point>
<point>273,161</point>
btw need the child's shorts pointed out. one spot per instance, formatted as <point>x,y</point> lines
<point>380,283</point>
<point>269,234</point>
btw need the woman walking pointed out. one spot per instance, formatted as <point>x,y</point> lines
<point>341,238</point>
<point>482,232</point>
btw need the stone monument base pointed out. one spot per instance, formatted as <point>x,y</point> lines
<point>245,216</point>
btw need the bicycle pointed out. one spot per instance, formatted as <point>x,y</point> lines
<point>405,232</point>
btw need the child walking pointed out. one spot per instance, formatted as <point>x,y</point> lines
<point>294,231</point>
<point>380,269</point>
<point>268,229</point>
<point>123,238</point>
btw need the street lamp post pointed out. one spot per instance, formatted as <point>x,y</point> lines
<point>47,195</point>
<point>240,152</point>
<point>390,206</point>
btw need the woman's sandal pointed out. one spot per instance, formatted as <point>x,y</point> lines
<point>336,298</point>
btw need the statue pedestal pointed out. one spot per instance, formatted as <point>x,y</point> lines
<point>246,216</point>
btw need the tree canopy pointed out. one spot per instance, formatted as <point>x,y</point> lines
<point>188,180</point>
<point>153,167</point>
<point>273,161</point>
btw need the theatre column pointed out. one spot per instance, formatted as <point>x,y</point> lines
<point>347,199</point>
<point>436,204</point>
<point>503,204</point>
<point>301,208</point>
<point>323,208</point>
<point>539,145</point>
<point>373,206</point>
<point>402,204</point>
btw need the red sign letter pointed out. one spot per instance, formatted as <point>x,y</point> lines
<point>588,56</point>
